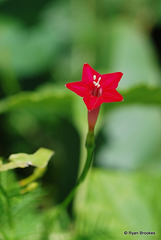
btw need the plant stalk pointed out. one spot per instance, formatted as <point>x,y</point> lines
<point>90,144</point>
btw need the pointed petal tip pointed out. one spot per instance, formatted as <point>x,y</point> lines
<point>120,73</point>
<point>121,98</point>
<point>86,64</point>
<point>66,85</point>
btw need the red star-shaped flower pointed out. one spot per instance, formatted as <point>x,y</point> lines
<point>96,88</point>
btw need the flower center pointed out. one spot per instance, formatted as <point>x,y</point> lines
<point>96,84</point>
<point>97,90</point>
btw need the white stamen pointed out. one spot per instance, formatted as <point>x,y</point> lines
<point>99,79</point>
<point>96,83</point>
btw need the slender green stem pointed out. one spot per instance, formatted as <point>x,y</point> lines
<point>90,150</point>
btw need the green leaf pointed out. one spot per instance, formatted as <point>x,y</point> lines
<point>123,200</point>
<point>14,205</point>
<point>50,99</point>
<point>21,160</point>
<point>131,138</point>
<point>56,99</point>
<point>28,51</point>
<point>143,94</point>
<point>129,50</point>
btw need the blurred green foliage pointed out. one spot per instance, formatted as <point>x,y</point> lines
<point>43,45</point>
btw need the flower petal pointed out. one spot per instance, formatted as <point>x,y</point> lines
<point>79,88</point>
<point>111,96</point>
<point>88,73</point>
<point>92,102</point>
<point>111,80</point>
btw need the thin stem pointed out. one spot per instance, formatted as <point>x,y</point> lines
<point>90,150</point>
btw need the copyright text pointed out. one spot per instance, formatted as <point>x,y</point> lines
<point>138,233</point>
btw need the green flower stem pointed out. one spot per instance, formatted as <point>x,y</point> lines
<point>90,144</point>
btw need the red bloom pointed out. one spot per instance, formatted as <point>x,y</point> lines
<point>96,88</point>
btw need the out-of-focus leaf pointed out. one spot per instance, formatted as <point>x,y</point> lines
<point>123,200</point>
<point>138,95</point>
<point>133,135</point>
<point>1,1</point>
<point>143,94</point>
<point>127,49</point>
<point>61,100</point>
<point>28,227</point>
<point>132,138</point>
<point>146,11</point>
<point>89,227</point>
<point>47,100</point>
<point>30,51</point>
<point>21,160</point>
